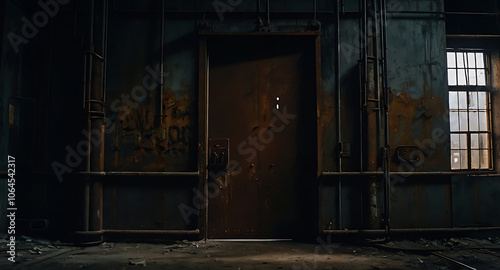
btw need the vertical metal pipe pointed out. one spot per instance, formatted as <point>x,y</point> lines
<point>161,61</point>
<point>86,204</point>
<point>90,81</point>
<point>372,110</point>
<point>361,84</point>
<point>361,103</point>
<point>377,57</point>
<point>268,14</point>
<point>94,80</point>
<point>91,38</point>
<point>84,100</point>
<point>315,8</point>
<point>206,57</point>
<point>96,123</point>
<point>105,50</point>
<point>365,53</point>
<point>337,74</point>
<point>377,44</point>
<point>339,123</point>
<point>387,195</point>
<point>86,199</point>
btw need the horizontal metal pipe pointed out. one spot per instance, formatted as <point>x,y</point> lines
<point>202,12</point>
<point>350,173</point>
<point>309,12</point>
<point>89,232</point>
<point>413,230</point>
<point>3,174</point>
<point>176,232</point>
<point>308,33</point>
<point>412,173</point>
<point>139,173</point>
<point>472,13</point>
<point>473,36</point>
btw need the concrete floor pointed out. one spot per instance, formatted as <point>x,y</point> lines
<point>42,254</point>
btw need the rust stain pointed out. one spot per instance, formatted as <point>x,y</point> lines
<point>414,120</point>
<point>165,146</point>
<point>328,114</point>
<point>328,110</point>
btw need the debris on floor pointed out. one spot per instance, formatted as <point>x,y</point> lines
<point>137,262</point>
<point>447,253</point>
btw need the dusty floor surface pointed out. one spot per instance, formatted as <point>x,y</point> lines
<point>422,254</point>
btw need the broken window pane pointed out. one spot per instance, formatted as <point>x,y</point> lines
<point>451,59</point>
<point>472,100</point>
<point>455,160</point>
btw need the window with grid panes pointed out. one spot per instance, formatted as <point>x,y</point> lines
<point>470,126</point>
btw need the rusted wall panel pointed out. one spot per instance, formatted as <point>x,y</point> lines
<point>418,116</point>
<point>328,198</point>
<point>418,203</point>
<point>475,201</point>
<point>328,109</point>
<point>419,100</point>
<point>153,205</point>
<point>145,137</point>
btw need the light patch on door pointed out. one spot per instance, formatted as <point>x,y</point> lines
<point>277,104</point>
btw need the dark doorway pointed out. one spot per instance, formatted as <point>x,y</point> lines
<point>262,120</point>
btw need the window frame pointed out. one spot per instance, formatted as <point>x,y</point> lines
<point>473,88</point>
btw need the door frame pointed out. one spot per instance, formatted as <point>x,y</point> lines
<point>203,107</point>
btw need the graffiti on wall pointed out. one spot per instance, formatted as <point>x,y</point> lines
<point>150,139</point>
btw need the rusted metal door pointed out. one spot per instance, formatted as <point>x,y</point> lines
<point>262,104</point>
